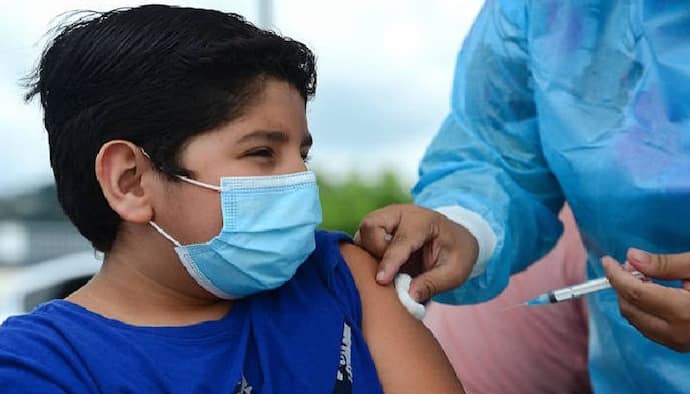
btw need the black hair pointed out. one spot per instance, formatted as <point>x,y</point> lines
<point>155,76</point>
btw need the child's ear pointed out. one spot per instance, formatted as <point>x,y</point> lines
<point>120,166</point>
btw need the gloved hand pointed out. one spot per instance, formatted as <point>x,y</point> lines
<point>660,313</point>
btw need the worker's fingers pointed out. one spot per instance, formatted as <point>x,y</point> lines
<point>411,235</point>
<point>646,296</point>
<point>440,277</point>
<point>430,255</point>
<point>421,240</point>
<point>661,266</point>
<point>673,333</point>
<point>416,227</point>
<point>651,326</point>
<point>375,231</point>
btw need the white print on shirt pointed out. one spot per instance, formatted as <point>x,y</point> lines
<point>343,384</point>
<point>243,387</point>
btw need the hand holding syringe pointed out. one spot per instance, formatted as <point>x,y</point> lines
<point>575,291</point>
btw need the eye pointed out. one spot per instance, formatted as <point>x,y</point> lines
<point>261,152</point>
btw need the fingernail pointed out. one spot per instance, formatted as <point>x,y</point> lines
<point>379,276</point>
<point>388,237</point>
<point>640,257</point>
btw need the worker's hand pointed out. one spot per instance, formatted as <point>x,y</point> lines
<point>437,251</point>
<point>660,313</point>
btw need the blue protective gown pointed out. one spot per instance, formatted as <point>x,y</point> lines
<point>584,101</point>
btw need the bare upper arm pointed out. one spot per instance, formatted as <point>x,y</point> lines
<point>408,359</point>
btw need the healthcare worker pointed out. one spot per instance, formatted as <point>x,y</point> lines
<point>580,101</point>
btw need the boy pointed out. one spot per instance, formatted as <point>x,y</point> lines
<point>178,139</point>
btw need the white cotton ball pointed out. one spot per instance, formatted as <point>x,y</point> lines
<point>402,286</point>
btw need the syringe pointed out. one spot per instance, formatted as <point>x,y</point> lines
<point>575,291</point>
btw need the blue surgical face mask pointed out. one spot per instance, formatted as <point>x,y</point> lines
<point>268,232</point>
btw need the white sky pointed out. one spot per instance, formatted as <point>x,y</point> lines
<point>385,72</point>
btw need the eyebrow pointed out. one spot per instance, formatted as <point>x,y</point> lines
<point>274,136</point>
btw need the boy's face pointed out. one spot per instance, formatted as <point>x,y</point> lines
<point>270,138</point>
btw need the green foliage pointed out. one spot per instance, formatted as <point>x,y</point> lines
<point>346,203</point>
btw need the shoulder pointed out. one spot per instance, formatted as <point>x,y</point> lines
<point>377,300</point>
<point>348,272</point>
<point>361,264</point>
<point>23,330</point>
<point>332,269</point>
<point>36,334</point>
<point>328,245</point>
<point>34,354</point>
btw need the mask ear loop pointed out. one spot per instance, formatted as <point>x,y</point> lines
<point>197,183</point>
<point>184,178</point>
<point>164,234</point>
<point>145,154</point>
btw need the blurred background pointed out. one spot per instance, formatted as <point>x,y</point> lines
<point>385,71</point>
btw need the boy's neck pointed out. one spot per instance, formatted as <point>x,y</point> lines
<point>141,289</point>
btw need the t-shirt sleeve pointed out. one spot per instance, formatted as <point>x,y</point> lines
<point>19,375</point>
<point>31,362</point>
<point>336,274</point>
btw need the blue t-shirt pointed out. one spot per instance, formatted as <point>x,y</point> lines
<point>304,337</point>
